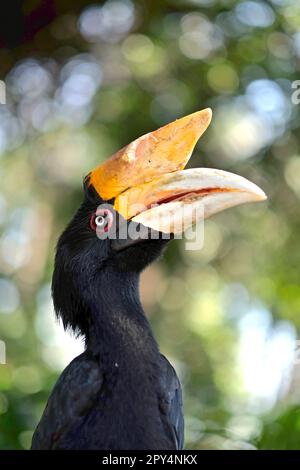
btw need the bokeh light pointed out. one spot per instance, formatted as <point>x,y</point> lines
<point>227,316</point>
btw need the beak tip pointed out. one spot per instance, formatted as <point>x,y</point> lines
<point>260,195</point>
<point>208,111</point>
<point>205,117</point>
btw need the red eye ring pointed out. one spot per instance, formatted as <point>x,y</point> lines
<point>92,222</point>
<point>101,221</point>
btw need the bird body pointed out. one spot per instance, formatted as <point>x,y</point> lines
<point>121,393</point>
<point>119,384</point>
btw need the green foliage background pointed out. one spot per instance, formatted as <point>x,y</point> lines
<point>227,316</point>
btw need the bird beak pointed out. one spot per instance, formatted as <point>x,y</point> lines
<point>176,201</point>
<point>148,185</point>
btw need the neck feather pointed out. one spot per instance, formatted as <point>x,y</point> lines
<point>118,327</point>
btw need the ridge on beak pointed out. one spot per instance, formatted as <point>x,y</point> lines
<point>149,186</point>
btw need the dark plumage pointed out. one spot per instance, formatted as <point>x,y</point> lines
<point>121,393</point>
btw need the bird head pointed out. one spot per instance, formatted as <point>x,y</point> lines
<point>137,200</point>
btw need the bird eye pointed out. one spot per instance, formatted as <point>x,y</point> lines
<point>101,221</point>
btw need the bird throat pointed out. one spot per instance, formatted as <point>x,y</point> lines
<point>118,328</point>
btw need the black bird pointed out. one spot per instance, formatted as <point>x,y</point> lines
<point>121,393</point>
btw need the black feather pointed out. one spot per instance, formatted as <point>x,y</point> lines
<point>121,393</point>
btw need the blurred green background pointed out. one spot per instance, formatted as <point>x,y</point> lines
<point>228,316</point>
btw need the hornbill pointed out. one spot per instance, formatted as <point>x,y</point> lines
<point>122,393</point>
